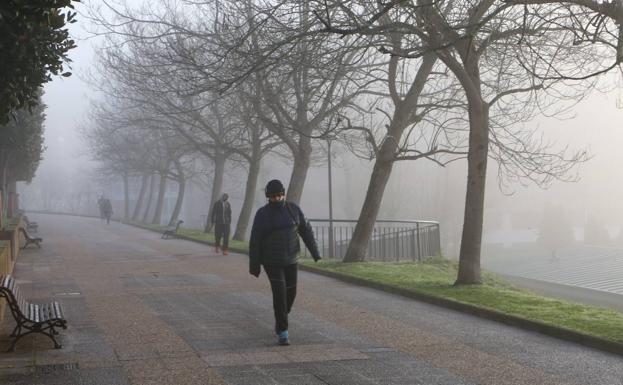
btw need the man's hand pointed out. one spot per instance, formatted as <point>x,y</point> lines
<point>254,270</point>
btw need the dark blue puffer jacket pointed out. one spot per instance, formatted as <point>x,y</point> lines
<point>275,236</point>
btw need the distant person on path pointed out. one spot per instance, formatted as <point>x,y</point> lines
<point>107,210</point>
<point>100,206</point>
<point>275,245</point>
<point>221,218</point>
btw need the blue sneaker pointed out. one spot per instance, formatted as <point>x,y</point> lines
<point>283,338</point>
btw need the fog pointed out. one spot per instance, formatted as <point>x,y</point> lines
<point>68,181</point>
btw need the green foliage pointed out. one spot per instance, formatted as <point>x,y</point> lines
<point>21,143</point>
<point>33,45</point>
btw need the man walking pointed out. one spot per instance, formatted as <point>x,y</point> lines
<point>221,218</point>
<point>275,245</point>
<point>100,206</point>
<point>107,209</point>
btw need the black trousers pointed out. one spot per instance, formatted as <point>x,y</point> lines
<point>221,231</point>
<point>283,284</point>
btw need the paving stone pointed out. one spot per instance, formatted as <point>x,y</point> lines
<point>304,379</point>
<point>345,379</point>
<point>106,376</point>
<point>239,371</point>
<point>136,352</point>
<point>285,369</point>
<point>400,381</point>
<point>147,368</point>
<point>224,358</point>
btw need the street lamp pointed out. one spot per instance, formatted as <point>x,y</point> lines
<point>331,249</point>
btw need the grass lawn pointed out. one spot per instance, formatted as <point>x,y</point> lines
<point>436,276</point>
<point>196,234</point>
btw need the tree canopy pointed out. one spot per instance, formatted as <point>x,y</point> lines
<point>21,143</point>
<point>34,43</point>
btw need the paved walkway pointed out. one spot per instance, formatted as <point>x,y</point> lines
<point>148,311</point>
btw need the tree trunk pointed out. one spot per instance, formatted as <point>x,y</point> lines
<point>384,164</point>
<point>160,200</point>
<point>358,245</point>
<point>217,187</point>
<point>478,111</point>
<point>140,198</point>
<point>249,195</point>
<point>180,194</point>
<point>12,195</point>
<point>126,197</point>
<point>178,202</point>
<point>299,170</point>
<point>471,239</point>
<point>152,185</point>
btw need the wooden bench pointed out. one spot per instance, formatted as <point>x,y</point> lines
<point>34,240</point>
<point>171,231</point>
<point>30,317</point>
<point>30,225</point>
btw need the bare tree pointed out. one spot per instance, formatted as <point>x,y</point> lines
<point>141,196</point>
<point>461,36</point>
<point>120,139</point>
<point>181,88</point>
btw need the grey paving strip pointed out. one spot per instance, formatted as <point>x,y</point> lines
<point>281,355</point>
<point>439,350</point>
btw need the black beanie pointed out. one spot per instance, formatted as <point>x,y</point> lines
<point>274,187</point>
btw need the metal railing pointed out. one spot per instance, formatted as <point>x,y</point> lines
<point>398,240</point>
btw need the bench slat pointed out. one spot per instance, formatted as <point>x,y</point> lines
<point>44,312</point>
<point>58,311</point>
<point>34,313</point>
<point>6,282</point>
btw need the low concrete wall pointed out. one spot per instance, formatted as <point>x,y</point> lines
<point>9,250</point>
<point>10,233</point>
<point>6,263</point>
<point>6,267</point>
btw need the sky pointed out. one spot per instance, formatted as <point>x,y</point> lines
<point>67,101</point>
<point>596,125</point>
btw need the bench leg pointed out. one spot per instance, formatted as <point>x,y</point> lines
<point>50,335</point>
<point>12,347</point>
<point>16,331</point>
<point>29,241</point>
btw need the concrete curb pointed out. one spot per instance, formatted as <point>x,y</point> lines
<point>508,319</point>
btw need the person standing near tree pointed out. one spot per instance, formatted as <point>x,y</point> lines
<point>107,209</point>
<point>275,245</point>
<point>100,206</point>
<point>221,217</point>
